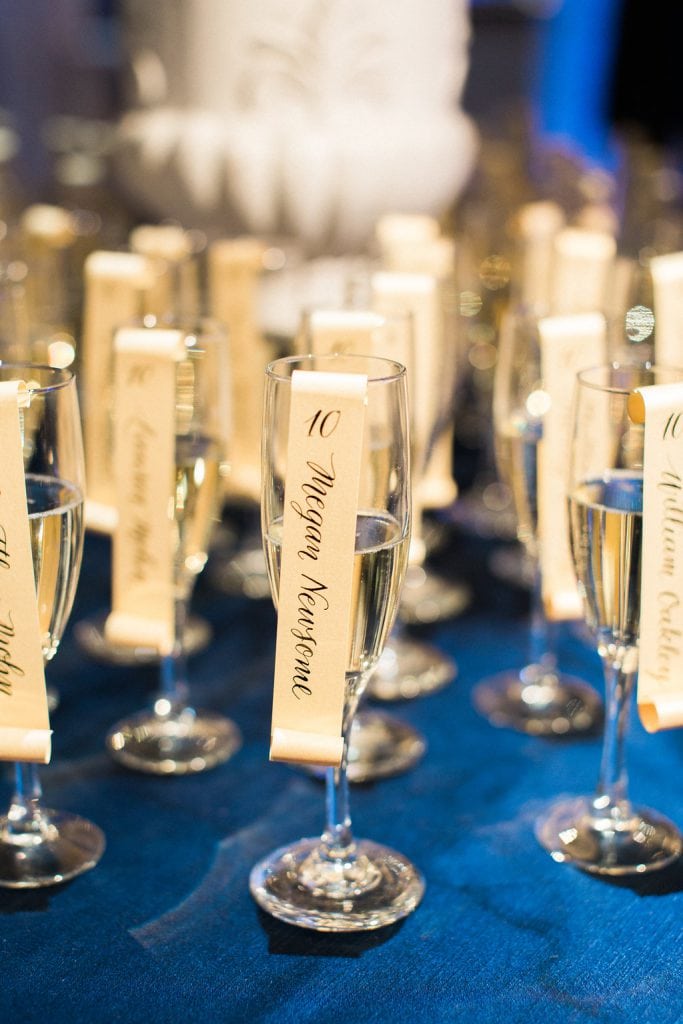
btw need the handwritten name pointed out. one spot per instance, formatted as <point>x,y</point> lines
<point>141,436</point>
<point>315,491</point>
<point>4,553</point>
<point>311,594</point>
<point>668,637</point>
<point>8,666</point>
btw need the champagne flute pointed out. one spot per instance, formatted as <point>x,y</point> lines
<point>39,846</point>
<point>173,737</point>
<point>380,745</point>
<point>605,833</point>
<point>537,699</point>
<point>336,882</point>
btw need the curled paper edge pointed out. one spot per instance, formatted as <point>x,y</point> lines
<point>19,744</point>
<point>563,606</point>
<point>99,517</point>
<point>136,631</point>
<point>635,406</point>
<point>306,747</point>
<point>661,714</point>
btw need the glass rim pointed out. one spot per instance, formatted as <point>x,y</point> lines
<point>398,369</point>
<point>66,375</point>
<point>615,389</point>
<point>201,324</point>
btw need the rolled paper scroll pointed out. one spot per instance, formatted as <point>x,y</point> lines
<point>116,285</point>
<point>24,721</point>
<point>49,236</point>
<point>568,344</point>
<point>417,294</point>
<point>143,549</point>
<point>667,282</point>
<point>660,653</point>
<point>398,233</point>
<point>175,292</point>
<point>316,590</point>
<point>235,266</point>
<point>358,332</point>
<point>582,267</point>
<point>537,226</point>
<point>429,254</point>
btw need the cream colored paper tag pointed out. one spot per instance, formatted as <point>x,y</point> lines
<point>660,675</point>
<point>538,224</point>
<point>359,332</point>
<point>175,292</point>
<point>114,283</point>
<point>234,270</point>
<point>24,721</point>
<point>144,459</point>
<point>582,266</point>
<point>568,344</point>
<point>419,295</point>
<point>667,282</point>
<point>430,254</point>
<point>326,425</point>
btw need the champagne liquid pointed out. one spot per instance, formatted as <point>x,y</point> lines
<point>516,457</point>
<point>379,568</point>
<point>606,522</point>
<point>55,510</point>
<point>196,499</point>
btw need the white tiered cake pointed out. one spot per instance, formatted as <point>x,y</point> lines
<point>295,117</point>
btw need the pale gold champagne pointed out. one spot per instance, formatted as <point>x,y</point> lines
<point>378,571</point>
<point>196,499</point>
<point>606,523</point>
<point>55,510</point>
<point>516,443</point>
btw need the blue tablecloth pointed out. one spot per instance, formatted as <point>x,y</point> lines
<point>164,929</point>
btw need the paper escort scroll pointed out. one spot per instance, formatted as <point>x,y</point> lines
<point>660,674</point>
<point>316,552</point>
<point>568,344</point>
<point>24,720</point>
<point>144,462</point>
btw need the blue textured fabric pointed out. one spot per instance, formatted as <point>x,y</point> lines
<point>164,929</point>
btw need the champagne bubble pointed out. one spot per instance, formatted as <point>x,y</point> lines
<point>470,303</point>
<point>494,272</point>
<point>639,323</point>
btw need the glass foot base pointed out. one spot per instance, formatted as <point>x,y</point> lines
<point>371,890</point>
<point>65,847</point>
<point>380,746</point>
<point>90,637</point>
<point>632,842</point>
<point>173,744</point>
<point>408,669</point>
<point>429,598</point>
<point>541,704</point>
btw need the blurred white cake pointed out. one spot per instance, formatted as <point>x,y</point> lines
<point>295,117</point>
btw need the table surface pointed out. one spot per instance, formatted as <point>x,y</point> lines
<point>164,928</point>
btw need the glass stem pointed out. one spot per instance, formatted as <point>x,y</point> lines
<point>540,636</point>
<point>337,840</point>
<point>173,676</point>
<point>25,816</point>
<point>611,790</point>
